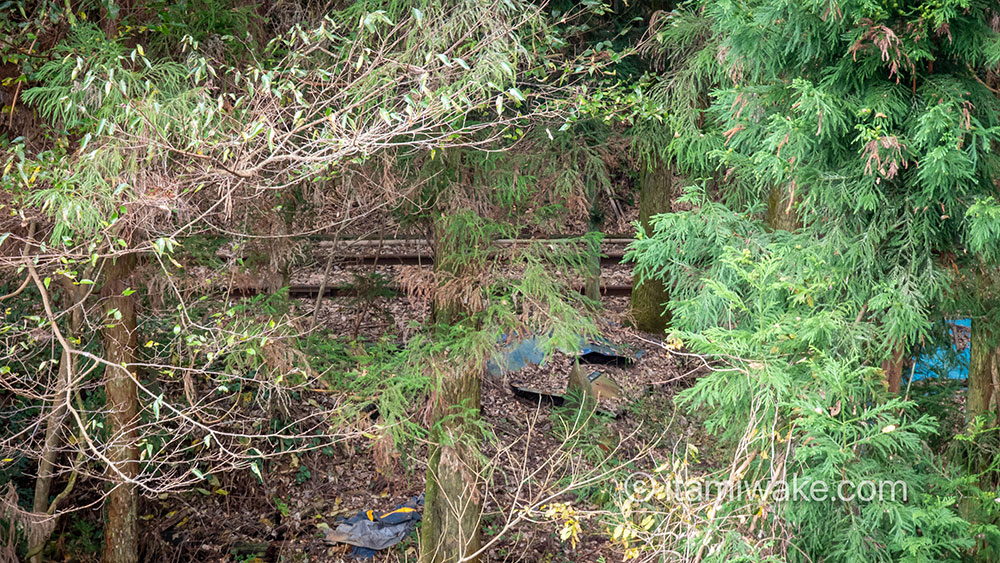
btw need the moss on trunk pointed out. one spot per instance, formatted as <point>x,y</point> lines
<point>452,501</point>
<point>781,213</point>
<point>984,368</point>
<point>656,191</point>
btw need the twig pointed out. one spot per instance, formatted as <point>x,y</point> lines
<point>24,255</point>
<point>17,90</point>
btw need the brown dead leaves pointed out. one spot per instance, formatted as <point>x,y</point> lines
<point>888,43</point>
<point>884,155</point>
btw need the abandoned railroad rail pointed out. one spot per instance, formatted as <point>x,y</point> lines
<point>417,252</point>
<point>426,259</point>
<point>312,290</point>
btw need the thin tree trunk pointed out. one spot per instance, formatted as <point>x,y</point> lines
<point>322,288</point>
<point>984,365</point>
<point>46,464</point>
<point>54,424</point>
<point>656,191</point>
<point>50,451</point>
<point>982,390</point>
<point>592,287</point>
<point>452,500</point>
<point>781,213</point>
<point>50,454</point>
<point>893,368</point>
<point>121,542</point>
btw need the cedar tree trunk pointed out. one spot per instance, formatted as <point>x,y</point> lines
<point>656,190</point>
<point>781,215</point>
<point>452,501</point>
<point>121,542</point>
<point>893,368</point>
<point>984,368</point>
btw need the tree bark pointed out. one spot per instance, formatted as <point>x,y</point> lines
<point>893,368</point>
<point>656,191</point>
<point>592,286</point>
<point>121,542</point>
<point>984,368</point>
<point>781,213</point>
<point>452,500</point>
<point>54,423</point>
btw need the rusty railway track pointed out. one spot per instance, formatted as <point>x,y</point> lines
<point>427,258</point>
<point>312,290</point>
<point>420,258</point>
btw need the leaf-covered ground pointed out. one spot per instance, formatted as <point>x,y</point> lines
<point>238,518</point>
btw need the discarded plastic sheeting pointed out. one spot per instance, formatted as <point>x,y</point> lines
<point>369,531</point>
<point>516,356</point>
<point>537,395</point>
<point>605,354</point>
<point>944,363</point>
<point>529,351</point>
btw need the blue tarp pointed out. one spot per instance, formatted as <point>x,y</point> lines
<point>514,357</point>
<point>530,351</point>
<point>943,363</point>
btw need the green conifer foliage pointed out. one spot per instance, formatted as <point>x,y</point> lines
<point>876,124</point>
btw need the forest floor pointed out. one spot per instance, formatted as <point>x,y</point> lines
<point>244,520</point>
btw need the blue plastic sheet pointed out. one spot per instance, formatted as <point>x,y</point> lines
<point>942,363</point>
<point>529,351</point>
<point>515,356</point>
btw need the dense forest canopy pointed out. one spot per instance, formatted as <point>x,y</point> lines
<point>517,280</point>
